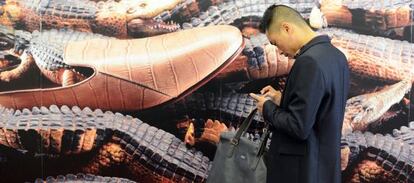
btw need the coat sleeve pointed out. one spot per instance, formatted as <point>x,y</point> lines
<point>306,91</point>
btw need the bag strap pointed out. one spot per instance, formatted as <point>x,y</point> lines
<point>263,140</point>
<point>243,128</point>
<point>263,144</point>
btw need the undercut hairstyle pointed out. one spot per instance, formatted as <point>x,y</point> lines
<point>277,14</point>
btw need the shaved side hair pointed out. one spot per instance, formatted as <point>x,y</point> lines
<point>276,14</point>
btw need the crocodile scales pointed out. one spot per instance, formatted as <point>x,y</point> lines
<point>64,131</point>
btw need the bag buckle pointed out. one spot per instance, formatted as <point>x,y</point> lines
<point>233,141</point>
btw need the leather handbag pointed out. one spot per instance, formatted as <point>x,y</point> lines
<point>239,159</point>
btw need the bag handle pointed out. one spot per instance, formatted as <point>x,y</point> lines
<point>243,128</point>
<point>263,140</point>
<point>263,144</point>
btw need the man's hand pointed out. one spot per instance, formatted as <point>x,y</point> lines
<point>260,101</point>
<point>275,95</point>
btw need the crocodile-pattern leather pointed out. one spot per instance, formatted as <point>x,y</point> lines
<point>390,153</point>
<point>140,73</point>
<point>363,110</point>
<point>366,14</point>
<point>375,57</point>
<point>106,17</point>
<point>151,154</point>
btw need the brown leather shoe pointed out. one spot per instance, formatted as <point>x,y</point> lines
<point>138,74</point>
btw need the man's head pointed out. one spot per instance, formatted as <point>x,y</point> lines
<point>286,29</point>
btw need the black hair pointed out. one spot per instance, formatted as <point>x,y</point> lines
<point>289,13</point>
<point>267,18</point>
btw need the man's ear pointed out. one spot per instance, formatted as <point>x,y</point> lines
<point>286,27</point>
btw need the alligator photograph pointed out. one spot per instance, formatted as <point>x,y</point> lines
<point>140,90</point>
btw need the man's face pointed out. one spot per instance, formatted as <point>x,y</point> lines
<point>282,39</point>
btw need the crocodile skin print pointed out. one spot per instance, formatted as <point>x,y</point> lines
<point>391,154</point>
<point>152,154</point>
<point>375,57</point>
<point>82,178</point>
<point>364,14</point>
<point>140,73</point>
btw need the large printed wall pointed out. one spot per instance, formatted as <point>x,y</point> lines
<point>139,90</point>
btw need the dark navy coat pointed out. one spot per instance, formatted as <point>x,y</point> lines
<point>307,126</point>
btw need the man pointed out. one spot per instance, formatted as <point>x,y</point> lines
<point>306,127</point>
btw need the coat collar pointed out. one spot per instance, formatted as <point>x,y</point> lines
<point>316,40</point>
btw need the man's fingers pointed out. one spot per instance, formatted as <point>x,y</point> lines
<point>254,96</point>
<point>269,94</point>
<point>265,89</point>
